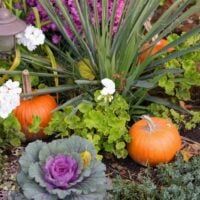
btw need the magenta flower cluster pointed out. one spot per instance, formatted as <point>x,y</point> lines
<point>71,6</point>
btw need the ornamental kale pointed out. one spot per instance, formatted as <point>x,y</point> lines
<point>58,170</point>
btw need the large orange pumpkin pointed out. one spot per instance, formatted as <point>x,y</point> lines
<point>40,106</point>
<point>153,141</point>
<point>152,51</point>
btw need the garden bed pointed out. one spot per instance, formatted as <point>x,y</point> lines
<point>84,73</point>
<point>126,169</point>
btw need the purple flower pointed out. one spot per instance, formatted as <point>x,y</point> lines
<point>56,39</point>
<point>71,6</point>
<point>32,2</point>
<point>60,170</point>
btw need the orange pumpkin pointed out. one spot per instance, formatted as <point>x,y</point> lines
<point>152,51</point>
<point>153,141</point>
<point>40,106</point>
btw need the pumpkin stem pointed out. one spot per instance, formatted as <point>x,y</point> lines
<point>150,122</point>
<point>26,82</point>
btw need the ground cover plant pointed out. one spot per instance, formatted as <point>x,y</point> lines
<point>178,180</point>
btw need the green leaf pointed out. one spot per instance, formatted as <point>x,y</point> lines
<point>120,145</point>
<point>35,125</point>
<point>166,103</point>
<point>16,142</point>
<point>85,107</point>
<point>85,69</point>
<point>102,123</point>
<point>11,134</point>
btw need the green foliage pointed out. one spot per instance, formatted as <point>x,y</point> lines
<point>179,86</point>
<point>113,55</point>
<point>2,160</point>
<point>190,120</point>
<point>10,133</point>
<point>128,190</point>
<point>179,180</point>
<point>103,123</point>
<point>90,183</point>
<point>35,126</point>
<point>162,2</point>
<point>10,4</point>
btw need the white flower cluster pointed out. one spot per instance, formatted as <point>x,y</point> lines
<point>108,90</point>
<point>31,37</point>
<point>9,97</point>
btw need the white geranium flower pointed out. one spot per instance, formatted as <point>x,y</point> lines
<point>31,37</point>
<point>11,84</point>
<point>4,113</point>
<point>108,90</point>
<point>3,89</point>
<point>109,87</point>
<point>9,97</point>
<point>108,83</point>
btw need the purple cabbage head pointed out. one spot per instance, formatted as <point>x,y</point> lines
<point>60,170</point>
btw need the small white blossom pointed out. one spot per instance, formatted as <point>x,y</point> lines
<point>108,90</point>
<point>108,83</point>
<point>9,97</point>
<point>31,37</point>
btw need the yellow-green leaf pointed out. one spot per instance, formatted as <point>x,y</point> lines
<point>85,69</point>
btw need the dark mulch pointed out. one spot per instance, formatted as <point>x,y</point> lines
<point>193,134</point>
<point>126,168</point>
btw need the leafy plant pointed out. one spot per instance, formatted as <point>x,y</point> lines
<point>115,54</point>
<point>10,132</point>
<point>103,123</point>
<point>42,174</point>
<point>179,180</point>
<point>129,190</point>
<point>190,120</point>
<point>180,86</point>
